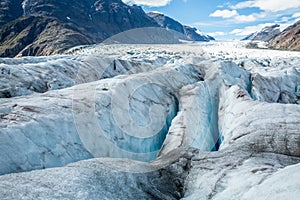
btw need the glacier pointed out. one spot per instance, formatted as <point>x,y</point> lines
<point>185,121</point>
<point>61,126</point>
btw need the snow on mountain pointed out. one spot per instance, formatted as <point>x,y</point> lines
<point>190,33</point>
<point>266,34</point>
<point>283,37</point>
<point>171,104</point>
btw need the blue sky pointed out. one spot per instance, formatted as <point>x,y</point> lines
<point>225,19</point>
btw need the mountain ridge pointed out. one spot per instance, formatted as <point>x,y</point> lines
<point>43,27</point>
<point>64,24</point>
<point>169,23</point>
<point>288,39</point>
<point>265,35</point>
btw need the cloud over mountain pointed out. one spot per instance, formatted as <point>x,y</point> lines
<point>268,5</point>
<point>151,3</point>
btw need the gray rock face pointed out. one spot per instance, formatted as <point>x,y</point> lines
<point>99,19</point>
<point>241,102</point>
<point>10,10</point>
<point>167,22</point>
<point>288,39</point>
<point>194,35</point>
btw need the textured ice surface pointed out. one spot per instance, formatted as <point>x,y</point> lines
<point>126,116</point>
<point>196,109</point>
<point>96,179</point>
<point>246,98</point>
<point>29,75</point>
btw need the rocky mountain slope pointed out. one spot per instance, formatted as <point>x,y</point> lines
<point>169,23</point>
<point>173,105</point>
<point>289,39</point>
<point>266,34</point>
<point>40,27</point>
<point>10,10</point>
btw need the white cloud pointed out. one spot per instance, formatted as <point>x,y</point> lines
<point>296,15</point>
<point>249,18</point>
<point>244,4</point>
<point>236,17</point>
<point>283,19</point>
<point>218,33</point>
<point>151,3</point>
<point>268,5</point>
<point>243,32</point>
<point>272,10</point>
<point>249,29</point>
<point>224,13</point>
<point>245,18</point>
<point>252,29</point>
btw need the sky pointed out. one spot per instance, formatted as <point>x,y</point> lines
<point>224,19</point>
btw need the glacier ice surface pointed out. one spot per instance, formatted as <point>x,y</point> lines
<point>169,104</point>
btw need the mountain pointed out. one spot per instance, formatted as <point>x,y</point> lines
<point>289,39</point>
<point>265,35</point>
<point>44,27</point>
<point>195,35</point>
<point>10,10</point>
<point>169,23</point>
